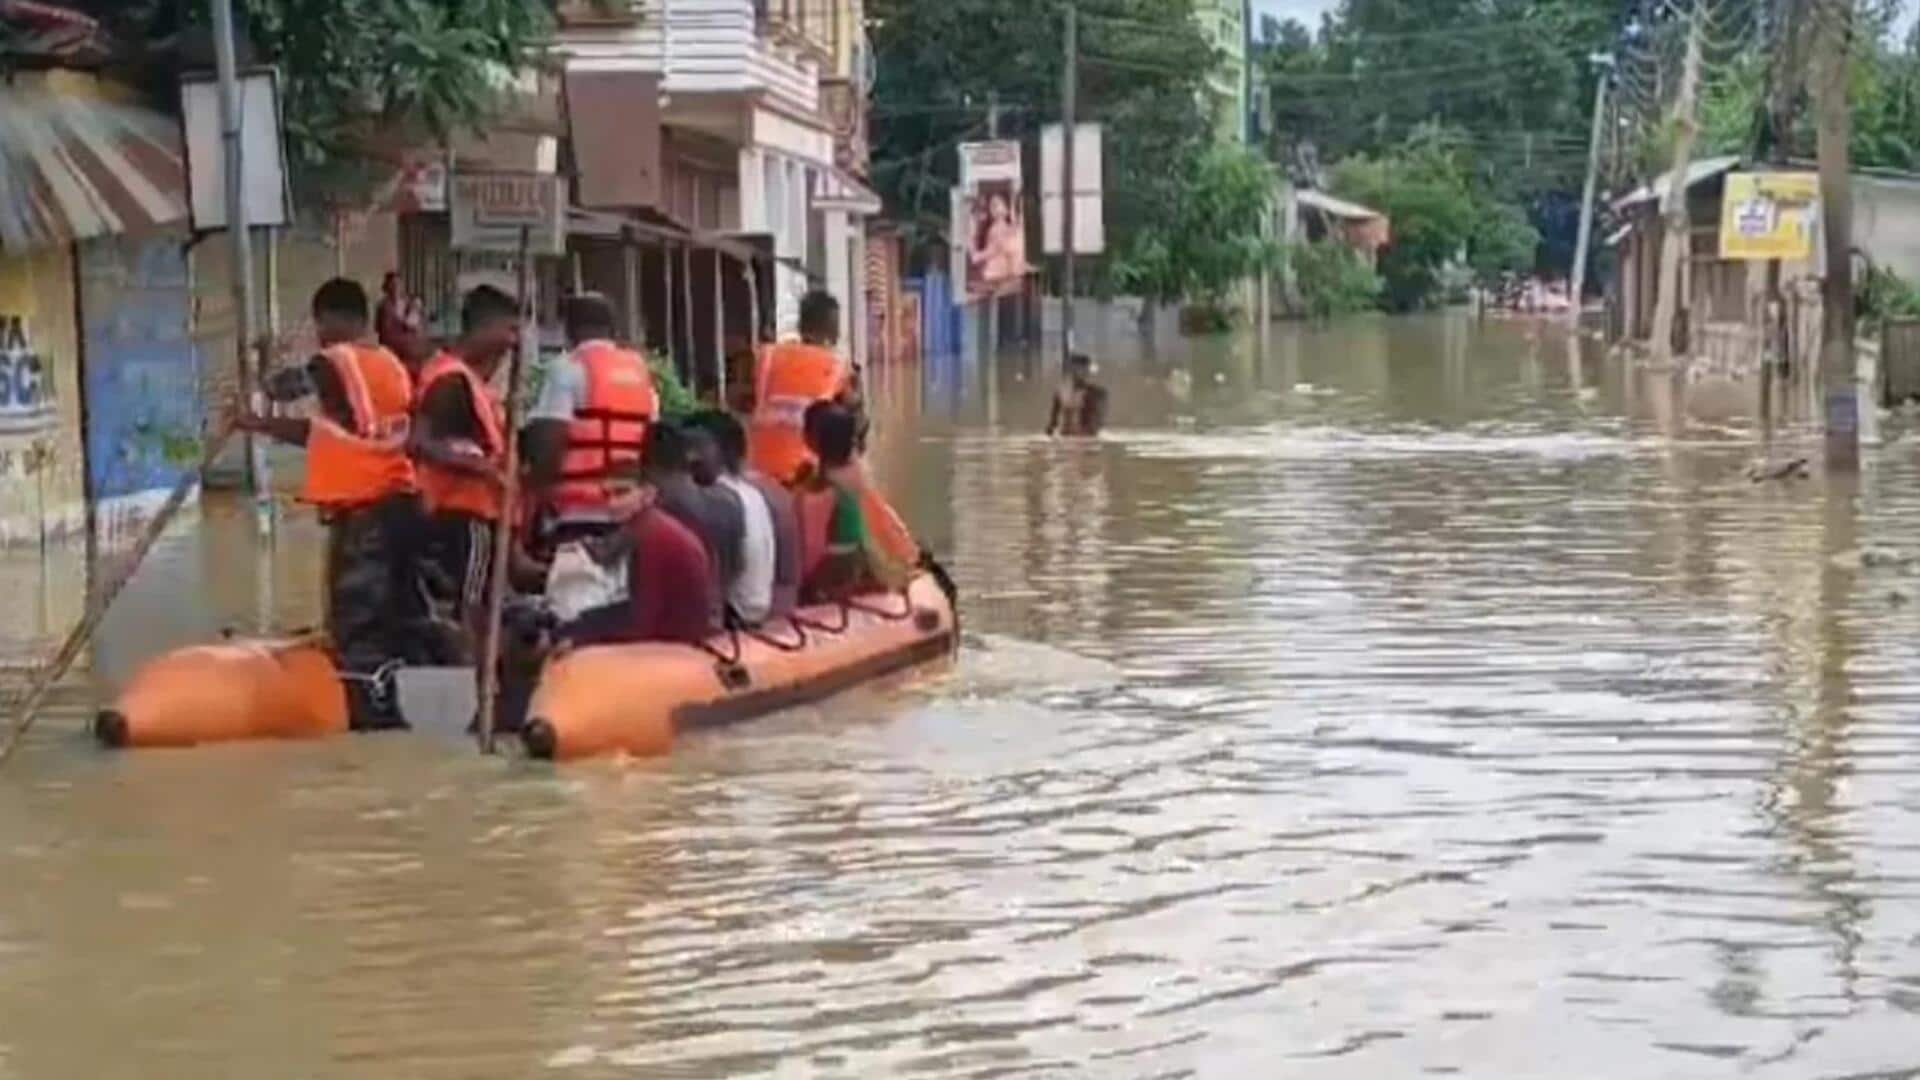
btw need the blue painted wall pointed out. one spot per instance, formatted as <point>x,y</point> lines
<point>142,372</point>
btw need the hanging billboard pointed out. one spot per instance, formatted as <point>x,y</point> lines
<point>1089,216</point>
<point>990,224</point>
<point>1768,215</point>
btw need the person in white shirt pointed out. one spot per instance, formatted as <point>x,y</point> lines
<point>752,594</point>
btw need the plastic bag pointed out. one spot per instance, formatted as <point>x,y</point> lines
<point>577,582</point>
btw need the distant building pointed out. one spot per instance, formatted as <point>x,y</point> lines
<point>1225,24</point>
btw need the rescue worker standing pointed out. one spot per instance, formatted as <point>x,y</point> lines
<point>459,447</point>
<point>791,377</point>
<point>360,478</point>
<point>589,426</point>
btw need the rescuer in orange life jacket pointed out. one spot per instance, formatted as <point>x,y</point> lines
<point>791,377</point>
<point>586,431</point>
<point>362,481</point>
<point>459,449</point>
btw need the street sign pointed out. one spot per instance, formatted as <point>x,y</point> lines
<point>490,209</point>
<point>1768,215</point>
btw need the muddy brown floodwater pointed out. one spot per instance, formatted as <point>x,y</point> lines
<point>1415,698</point>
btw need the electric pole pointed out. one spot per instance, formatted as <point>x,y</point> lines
<point>1832,29</point>
<point>1070,91</point>
<point>1604,61</point>
<point>241,235</point>
<point>992,348</point>
<point>1676,237</point>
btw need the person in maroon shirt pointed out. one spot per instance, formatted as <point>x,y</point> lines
<point>670,580</point>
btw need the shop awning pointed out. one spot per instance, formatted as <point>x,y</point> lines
<point>75,167</point>
<point>841,190</point>
<point>646,222</point>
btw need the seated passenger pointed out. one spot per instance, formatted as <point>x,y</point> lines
<point>714,514</point>
<point>670,592</point>
<point>769,579</point>
<point>839,556</point>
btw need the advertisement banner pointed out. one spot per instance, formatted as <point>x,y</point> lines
<point>990,224</point>
<point>1768,215</point>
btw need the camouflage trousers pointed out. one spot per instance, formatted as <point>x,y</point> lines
<point>377,611</point>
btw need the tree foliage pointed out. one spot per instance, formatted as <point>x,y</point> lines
<point>1212,239</point>
<point>1438,213</point>
<point>358,73</point>
<point>1331,280</point>
<point>940,65</point>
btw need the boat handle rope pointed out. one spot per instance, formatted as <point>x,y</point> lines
<point>733,638</point>
<point>905,613</point>
<point>797,645</point>
<point>846,619</point>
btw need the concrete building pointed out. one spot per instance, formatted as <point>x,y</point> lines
<point>98,370</point>
<point>762,130</point>
<point>1225,24</point>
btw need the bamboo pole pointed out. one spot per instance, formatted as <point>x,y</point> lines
<point>102,601</point>
<point>489,654</point>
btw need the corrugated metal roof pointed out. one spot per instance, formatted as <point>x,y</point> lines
<point>75,167</point>
<point>1339,208</point>
<point>1698,172</point>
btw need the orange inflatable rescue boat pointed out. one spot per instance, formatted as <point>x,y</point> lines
<point>600,700</point>
<point>229,692</point>
<point>634,698</point>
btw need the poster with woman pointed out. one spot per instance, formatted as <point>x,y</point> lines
<point>990,226</point>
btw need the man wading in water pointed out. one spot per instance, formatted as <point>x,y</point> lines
<point>1080,404</point>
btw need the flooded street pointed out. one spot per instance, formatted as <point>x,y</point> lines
<point>1415,698</point>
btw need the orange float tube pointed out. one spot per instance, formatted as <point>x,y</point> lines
<point>633,699</point>
<point>226,693</point>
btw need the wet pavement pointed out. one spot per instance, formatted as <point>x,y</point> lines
<point>1414,697</point>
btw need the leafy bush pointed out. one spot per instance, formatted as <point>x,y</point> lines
<point>1332,280</point>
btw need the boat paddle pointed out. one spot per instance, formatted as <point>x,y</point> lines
<point>56,668</point>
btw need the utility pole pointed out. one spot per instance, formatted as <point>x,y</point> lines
<point>992,347</point>
<point>1070,92</point>
<point>1576,297</point>
<point>1676,238</point>
<point>1832,29</point>
<point>1783,79</point>
<point>241,236</point>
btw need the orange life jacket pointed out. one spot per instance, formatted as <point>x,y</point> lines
<point>450,490</point>
<point>608,431</point>
<point>348,467</point>
<point>791,377</point>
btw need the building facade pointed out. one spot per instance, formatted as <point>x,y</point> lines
<point>762,128</point>
<point>1225,25</point>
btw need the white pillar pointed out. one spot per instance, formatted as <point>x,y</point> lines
<point>839,274</point>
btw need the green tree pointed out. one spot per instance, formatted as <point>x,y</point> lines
<point>1214,238</point>
<point>1332,280</point>
<point>361,77</point>
<point>1143,66</point>
<point>1438,214</point>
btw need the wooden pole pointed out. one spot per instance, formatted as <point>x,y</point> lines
<point>1676,238</point>
<point>1069,104</point>
<point>97,608</point>
<point>489,657</point>
<point>691,373</point>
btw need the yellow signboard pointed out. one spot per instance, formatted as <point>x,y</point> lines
<point>1768,215</point>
